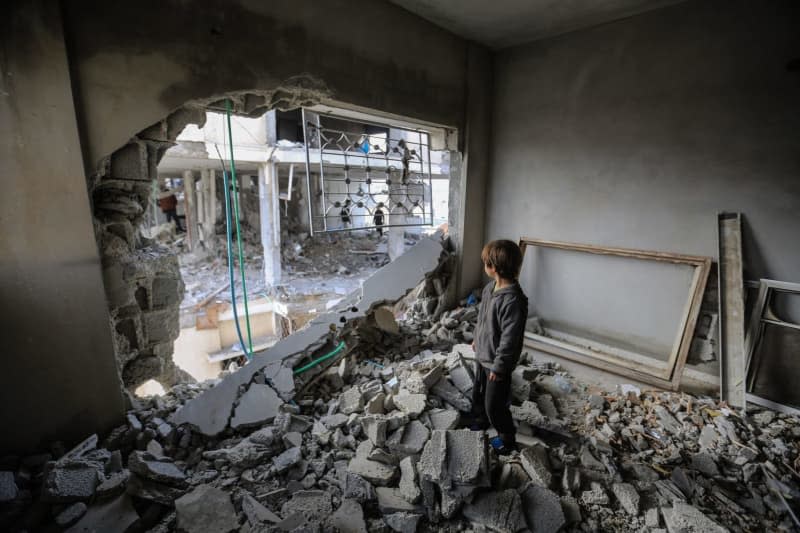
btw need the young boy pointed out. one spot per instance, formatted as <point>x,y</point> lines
<point>498,342</point>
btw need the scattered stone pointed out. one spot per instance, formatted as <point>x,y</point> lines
<point>115,515</point>
<point>71,514</point>
<point>293,439</point>
<point>287,459</point>
<point>390,500</point>
<point>352,401</point>
<point>256,513</point>
<point>156,469</point>
<point>596,402</point>
<point>374,405</point>
<point>704,463</point>
<point>408,487</point>
<point>627,496</point>
<point>376,473</point>
<point>315,505</point>
<point>357,488</point>
<point>443,419</point>
<point>651,518</point>
<point>113,486</point>
<point>349,518</point>
<point>685,518</point>
<point>496,510</point>
<point>206,508</point>
<point>375,429</point>
<point>402,522</point>
<point>450,394</point>
<point>542,509</point>
<point>70,482</point>
<point>409,439</point>
<point>595,496</point>
<point>411,404</point>
<point>536,463</point>
<point>153,491</point>
<point>571,509</point>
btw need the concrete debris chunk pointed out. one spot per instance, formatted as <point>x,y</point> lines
<point>411,404</point>
<point>627,496</point>
<point>153,491</point>
<point>113,486</point>
<point>352,401</point>
<point>409,439</point>
<point>685,518</point>
<point>375,429</point>
<point>256,513</point>
<point>408,487</point>
<point>542,509</point>
<point>596,495</point>
<point>156,469</point>
<point>71,514</point>
<point>537,465</point>
<point>390,500</point>
<point>403,522</point>
<point>114,515</point>
<point>349,518</point>
<point>8,487</point>
<point>358,488</point>
<point>206,508</point>
<point>450,394</point>
<point>259,405</point>
<point>245,454</point>
<point>497,511</point>
<point>314,505</point>
<point>444,419</point>
<point>571,509</point>
<point>376,473</point>
<point>374,405</point>
<point>70,482</point>
<point>287,459</point>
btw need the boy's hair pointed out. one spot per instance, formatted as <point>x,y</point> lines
<point>505,256</point>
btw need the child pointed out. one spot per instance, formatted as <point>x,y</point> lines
<point>498,342</point>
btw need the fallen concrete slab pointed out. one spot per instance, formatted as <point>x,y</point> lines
<point>206,508</point>
<point>210,412</point>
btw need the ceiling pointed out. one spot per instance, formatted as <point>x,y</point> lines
<point>503,23</point>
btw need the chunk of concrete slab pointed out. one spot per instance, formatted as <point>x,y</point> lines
<point>375,429</point>
<point>596,495</point>
<point>71,514</point>
<point>259,405</point>
<point>456,456</point>
<point>374,405</point>
<point>409,488</point>
<point>206,508</point>
<point>411,404</point>
<point>349,518</point>
<point>390,500</point>
<point>461,378</point>
<point>384,319</point>
<point>627,496</point>
<point>542,509</point>
<point>496,510</point>
<point>450,394</point>
<point>685,518</point>
<point>403,522</point>
<point>256,513</point>
<point>410,439</point>
<point>115,515</point>
<point>444,419</point>
<point>287,459</point>
<point>378,474</point>
<point>358,488</point>
<point>537,465</point>
<point>8,487</point>
<point>352,401</point>
<point>157,469</point>
<point>571,509</point>
<point>150,490</point>
<point>315,505</point>
<point>70,482</point>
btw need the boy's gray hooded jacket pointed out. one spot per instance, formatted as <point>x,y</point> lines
<point>501,326</point>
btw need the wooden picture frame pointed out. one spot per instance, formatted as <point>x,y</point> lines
<point>668,378</point>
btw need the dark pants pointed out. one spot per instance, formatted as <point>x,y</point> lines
<point>172,214</point>
<point>491,401</point>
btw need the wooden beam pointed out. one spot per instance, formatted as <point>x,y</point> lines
<point>732,358</point>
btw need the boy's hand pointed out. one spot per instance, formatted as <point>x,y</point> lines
<point>494,377</point>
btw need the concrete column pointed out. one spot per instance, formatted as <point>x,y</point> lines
<point>189,209</point>
<point>270,221</point>
<point>301,190</point>
<point>397,239</point>
<point>212,208</point>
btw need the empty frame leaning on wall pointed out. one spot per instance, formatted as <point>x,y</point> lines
<point>668,377</point>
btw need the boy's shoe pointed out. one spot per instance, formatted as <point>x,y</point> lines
<point>502,448</point>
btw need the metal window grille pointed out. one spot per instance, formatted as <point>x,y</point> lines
<point>366,176</point>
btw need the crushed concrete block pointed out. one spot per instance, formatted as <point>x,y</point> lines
<point>667,421</point>
<point>652,518</point>
<point>382,456</point>
<point>349,518</point>
<point>450,394</point>
<point>243,455</point>
<point>376,473</point>
<point>704,462</point>
<point>206,508</point>
<point>390,500</point>
<point>596,495</point>
<point>70,482</point>
<point>537,465</point>
<point>409,439</point>
<point>444,419</point>
<point>403,522</point>
<point>8,487</point>
<point>334,421</point>
<point>374,405</point>
<point>293,439</point>
<point>113,486</point>
<point>71,514</point>
<point>358,488</point>
<point>314,505</point>
<point>432,376</point>
<point>287,459</point>
<point>259,405</point>
<point>153,491</point>
<point>547,406</point>
<point>256,513</point>
<point>520,387</point>
<point>708,437</point>
<point>457,456</point>
<point>542,509</point>
<point>496,510</point>
<point>384,319</point>
<point>352,401</point>
<point>571,509</point>
<point>408,487</point>
<point>115,515</point>
<point>375,429</point>
<point>334,378</point>
<point>685,518</point>
<point>462,378</point>
<point>627,496</point>
<point>156,469</point>
<point>411,404</point>
<point>589,462</point>
<point>528,412</point>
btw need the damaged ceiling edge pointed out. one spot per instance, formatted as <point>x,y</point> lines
<point>210,412</point>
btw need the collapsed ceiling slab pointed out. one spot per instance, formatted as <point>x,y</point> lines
<point>210,412</point>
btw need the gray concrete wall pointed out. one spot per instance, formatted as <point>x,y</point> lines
<point>635,134</point>
<point>59,378</point>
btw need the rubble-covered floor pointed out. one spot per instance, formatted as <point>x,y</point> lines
<point>376,441</point>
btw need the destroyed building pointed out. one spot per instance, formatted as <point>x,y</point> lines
<point>337,168</point>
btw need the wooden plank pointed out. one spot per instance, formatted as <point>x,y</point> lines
<point>731,310</point>
<point>680,350</point>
